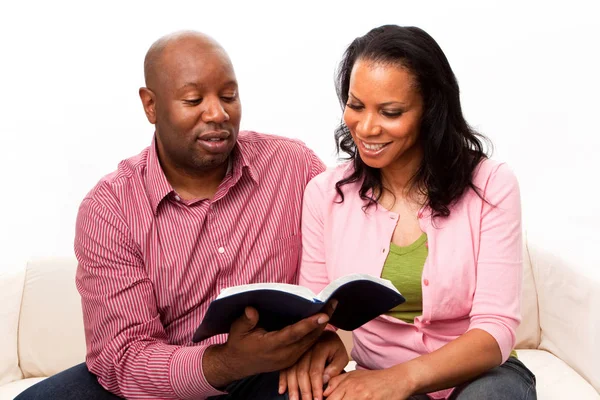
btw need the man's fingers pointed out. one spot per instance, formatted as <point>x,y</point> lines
<point>300,330</point>
<point>330,307</point>
<point>245,323</point>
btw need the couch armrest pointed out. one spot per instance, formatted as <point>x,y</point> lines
<point>11,292</point>
<point>566,266</point>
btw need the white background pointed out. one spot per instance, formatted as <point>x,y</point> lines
<point>69,109</point>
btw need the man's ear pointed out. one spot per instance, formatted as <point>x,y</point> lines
<point>149,103</point>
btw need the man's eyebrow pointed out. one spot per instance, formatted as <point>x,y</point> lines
<point>193,85</point>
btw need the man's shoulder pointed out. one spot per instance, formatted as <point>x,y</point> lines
<point>125,179</point>
<point>259,143</point>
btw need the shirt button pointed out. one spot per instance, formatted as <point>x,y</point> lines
<point>221,250</point>
<point>426,282</point>
<point>177,198</point>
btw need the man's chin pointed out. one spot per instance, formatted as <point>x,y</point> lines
<point>206,163</point>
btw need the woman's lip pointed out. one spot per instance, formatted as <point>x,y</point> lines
<point>371,151</point>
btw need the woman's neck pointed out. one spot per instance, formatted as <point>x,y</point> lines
<point>397,178</point>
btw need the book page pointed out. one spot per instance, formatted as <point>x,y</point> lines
<point>329,289</point>
<point>282,287</point>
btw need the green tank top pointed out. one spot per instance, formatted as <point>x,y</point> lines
<point>404,268</point>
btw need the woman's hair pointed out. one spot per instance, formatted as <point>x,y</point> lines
<point>451,148</point>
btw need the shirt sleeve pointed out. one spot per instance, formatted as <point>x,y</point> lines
<point>313,269</point>
<point>496,302</point>
<point>316,165</point>
<point>127,346</point>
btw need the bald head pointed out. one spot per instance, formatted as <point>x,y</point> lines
<point>174,42</point>
<point>191,96</point>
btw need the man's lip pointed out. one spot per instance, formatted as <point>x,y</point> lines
<point>214,135</point>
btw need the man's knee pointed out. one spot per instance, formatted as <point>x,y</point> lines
<point>74,383</point>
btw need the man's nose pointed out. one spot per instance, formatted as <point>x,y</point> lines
<point>215,112</point>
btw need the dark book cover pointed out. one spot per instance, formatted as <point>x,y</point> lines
<point>359,301</point>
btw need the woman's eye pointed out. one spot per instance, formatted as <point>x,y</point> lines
<point>392,114</point>
<point>354,106</point>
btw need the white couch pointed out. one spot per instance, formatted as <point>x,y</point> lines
<point>41,329</point>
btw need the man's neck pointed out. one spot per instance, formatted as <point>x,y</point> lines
<point>195,185</point>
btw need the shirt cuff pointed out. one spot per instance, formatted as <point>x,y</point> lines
<point>503,336</point>
<point>187,376</point>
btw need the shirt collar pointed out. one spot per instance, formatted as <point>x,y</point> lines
<point>159,187</point>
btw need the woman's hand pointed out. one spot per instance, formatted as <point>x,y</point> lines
<point>385,384</point>
<point>325,360</point>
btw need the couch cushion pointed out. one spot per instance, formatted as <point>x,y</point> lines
<point>555,379</point>
<point>11,390</point>
<point>11,287</point>
<point>51,334</point>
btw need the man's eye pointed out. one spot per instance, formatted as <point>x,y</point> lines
<point>193,101</point>
<point>228,99</point>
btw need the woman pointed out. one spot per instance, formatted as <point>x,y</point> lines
<point>418,203</point>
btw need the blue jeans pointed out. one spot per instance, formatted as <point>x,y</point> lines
<point>510,381</point>
<point>78,383</point>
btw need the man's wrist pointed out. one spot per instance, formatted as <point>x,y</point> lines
<point>219,368</point>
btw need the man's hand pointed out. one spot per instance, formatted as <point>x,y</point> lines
<point>325,360</point>
<point>251,350</point>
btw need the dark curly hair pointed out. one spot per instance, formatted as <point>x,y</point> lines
<point>451,148</point>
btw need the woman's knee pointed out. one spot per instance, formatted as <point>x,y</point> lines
<point>511,380</point>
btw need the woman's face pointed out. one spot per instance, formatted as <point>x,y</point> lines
<point>383,113</point>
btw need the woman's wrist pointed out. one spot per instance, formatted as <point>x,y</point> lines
<point>406,374</point>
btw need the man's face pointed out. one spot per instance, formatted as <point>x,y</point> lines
<point>197,107</point>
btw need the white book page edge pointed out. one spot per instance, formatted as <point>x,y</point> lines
<point>329,289</point>
<point>281,287</point>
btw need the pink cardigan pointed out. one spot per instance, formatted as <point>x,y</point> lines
<point>471,278</point>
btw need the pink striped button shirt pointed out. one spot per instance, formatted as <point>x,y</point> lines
<point>150,263</point>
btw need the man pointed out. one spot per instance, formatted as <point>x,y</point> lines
<point>201,209</point>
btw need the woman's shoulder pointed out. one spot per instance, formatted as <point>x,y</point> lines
<point>495,173</point>
<point>327,179</point>
<point>323,186</point>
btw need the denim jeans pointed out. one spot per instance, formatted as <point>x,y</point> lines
<point>78,383</point>
<point>510,381</point>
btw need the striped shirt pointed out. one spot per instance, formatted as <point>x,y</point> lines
<point>150,263</point>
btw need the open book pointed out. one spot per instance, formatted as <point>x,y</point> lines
<point>360,298</point>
